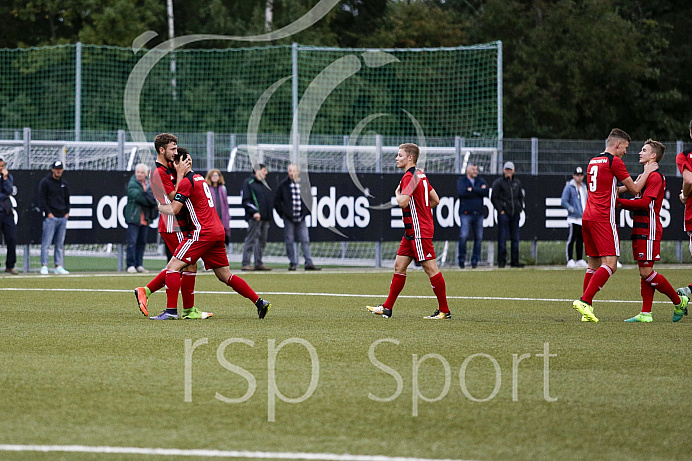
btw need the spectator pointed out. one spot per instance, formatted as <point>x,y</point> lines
<point>139,212</point>
<point>574,201</point>
<point>292,209</point>
<point>471,189</point>
<point>7,225</point>
<point>508,200</point>
<point>218,191</point>
<point>258,201</point>
<point>54,201</point>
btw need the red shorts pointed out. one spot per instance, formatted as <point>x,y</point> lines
<point>172,239</point>
<point>212,252</point>
<point>418,249</point>
<point>600,239</point>
<point>646,250</point>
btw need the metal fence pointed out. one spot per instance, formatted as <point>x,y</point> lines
<point>114,150</point>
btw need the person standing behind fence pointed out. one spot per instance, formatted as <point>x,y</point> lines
<point>54,201</point>
<point>574,201</point>
<point>7,226</point>
<point>290,206</point>
<point>508,200</point>
<point>139,212</point>
<point>472,189</point>
<point>258,201</point>
<point>218,191</point>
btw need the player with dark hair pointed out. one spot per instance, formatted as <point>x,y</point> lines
<point>647,231</point>
<point>599,227</point>
<point>684,163</point>
<point>205,240</point>
<point>416,196</point>
<point>173,229</point>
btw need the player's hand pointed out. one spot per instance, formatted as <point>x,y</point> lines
<point>649,167</point>
<point>256,216</point>
<point>683,199</point>
<point>5,173</point>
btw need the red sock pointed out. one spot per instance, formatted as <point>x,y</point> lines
<point>587,279</point>
<point>242,288</point>
<point>187,288</point>
<point>660,283</point>
<point>158,282</point>
<point>440,288</point>
<point>647,296</point>
<point>398,282</point>
<point>172,289</point>
<point>598,280</point>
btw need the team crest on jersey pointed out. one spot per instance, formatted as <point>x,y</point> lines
<point>641,255</point>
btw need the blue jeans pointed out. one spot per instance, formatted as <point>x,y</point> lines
<point>9,231</point>
<point>300,230</point>
<point>136,243</point>
<point>507,227</point>
<point>53,233</point>
<point>255,241</point>
<point>471,223</point>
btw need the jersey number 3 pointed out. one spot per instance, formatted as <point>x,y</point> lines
<point>593,173</point>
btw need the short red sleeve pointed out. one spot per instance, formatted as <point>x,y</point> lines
<point>406,186</point>
<point>619,169</point>
<point>682,162</point>
<point>185,187</point>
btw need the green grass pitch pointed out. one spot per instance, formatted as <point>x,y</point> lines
<point>79,365</point>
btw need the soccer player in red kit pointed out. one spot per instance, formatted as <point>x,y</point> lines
<point>684,163</point>
<point>205,241</point>
<point>599,226</point>
<point>173,229</point>
<point>647,232</point>
<point>416,197</point>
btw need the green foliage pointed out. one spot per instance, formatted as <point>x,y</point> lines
<point>572,68</point>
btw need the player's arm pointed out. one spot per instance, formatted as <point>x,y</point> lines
<point>641,203</point>
<point>686,184</point>
<point>401,199</point>
<point>175,206</point>
<point>434,199</point>
<point>636,187</point>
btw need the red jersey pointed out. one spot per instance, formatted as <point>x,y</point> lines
<point>646,208</point>
<point>684,162</point>
<point>163,183</point>
<point>603,174</point>
<point>417,216</point>
<point>195,195</point>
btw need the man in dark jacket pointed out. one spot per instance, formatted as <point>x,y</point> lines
<point>258,201</point>
<point>472,189</point>
<point>7,226</point>
<point>508,200</point>
<point>292,209</point>
<point>139,212</point>
<point>54,200</point>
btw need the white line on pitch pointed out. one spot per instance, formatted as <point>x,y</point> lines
<point>209,453</point>
<point>341,295</point>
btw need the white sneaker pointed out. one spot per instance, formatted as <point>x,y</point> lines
<point>571,263</point>
<point>44,270</point>
<point>132,270</point>
<point>582,263</point>
<point>61,270</point>
<point>141,269</point>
